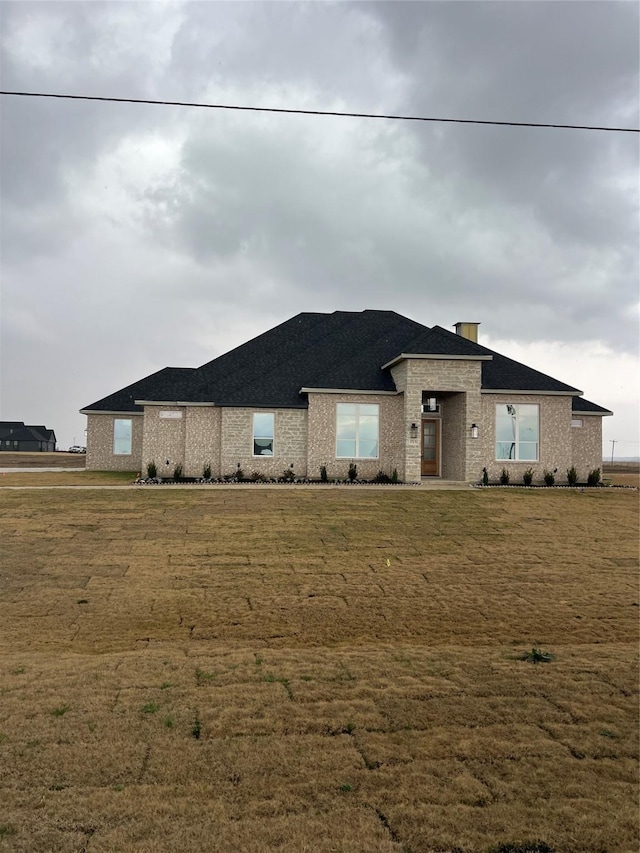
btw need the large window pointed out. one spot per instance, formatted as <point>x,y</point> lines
<point>122,436</point>
<point>357,431</point>
<point>263,425</point>
<point>517,432</point>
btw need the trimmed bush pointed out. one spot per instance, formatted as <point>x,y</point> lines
<point>352,473</point>
<point>485,477</point>
<point>572,475</point>
<point>549,478</point>
<point>593,477</point>
<point>177,472</point>
<point>504,477</point>
<point>527,477</point>
<point>323,474</point>
<point>152,470</point>
<point>206,471</point>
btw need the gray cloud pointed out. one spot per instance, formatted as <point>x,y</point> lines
<point>179,233</point>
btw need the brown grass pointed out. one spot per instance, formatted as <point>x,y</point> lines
<point>350,662</point>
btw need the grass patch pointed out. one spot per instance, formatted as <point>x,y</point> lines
<point>320,698</point>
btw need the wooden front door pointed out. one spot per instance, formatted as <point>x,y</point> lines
<point>430,448</point>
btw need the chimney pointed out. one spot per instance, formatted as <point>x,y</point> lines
<point>468,331</point>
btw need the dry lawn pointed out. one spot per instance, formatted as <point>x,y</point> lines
<point>318,670</point>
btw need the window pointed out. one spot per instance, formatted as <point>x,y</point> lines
<point>576,422</point>
<point>357,431</point>
<point>517,432</point>
<point>263,425</point>
<point>122,436</point>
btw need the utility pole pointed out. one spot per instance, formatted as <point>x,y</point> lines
<point>613,446</point>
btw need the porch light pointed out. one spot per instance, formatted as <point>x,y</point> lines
<point>413,430</point>
<point>474,431</point>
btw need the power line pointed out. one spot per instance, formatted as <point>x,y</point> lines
<point>318,112</point>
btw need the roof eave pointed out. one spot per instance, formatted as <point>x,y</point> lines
<point>435,356</point>
<point>347,391</point>
<point>120,412</point>
<point>570,392</point>
<point>170,403</point>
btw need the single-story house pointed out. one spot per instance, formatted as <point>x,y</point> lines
<point>16,437</point>
<point>372,388</point>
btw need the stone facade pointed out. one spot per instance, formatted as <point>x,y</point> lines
<point>555,438</point>
<point>586,444</point>
<point>305,439</point>
<point>460,453</point>
<point>184,435</point>
<point>100,455</point>
<point>289,444</point>
<point>322,435</point>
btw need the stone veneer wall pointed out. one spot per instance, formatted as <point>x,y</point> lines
<point>202,444</point>
<point>322,435</point>
<point>415,375</point>
<point>100,456</point>
<point>586,443</point>
<point>164,439</point>
<point>453,451</point>
<point>192,440</point>
<point>555,437</point>
<point>289,446</point>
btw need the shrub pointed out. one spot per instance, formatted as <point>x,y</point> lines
<point>485,477</point>
<point>394,475</point>
<point>381,477</point>
<point>323,474</point>
<point>593,477</point>
<point>352,473</point>
<point>152,470</point>
<point>288,475</point>
<point>177,472</point>
<point>239,473</point>
<point>537,656</point>
<point>549,478</point>
<point>572,475</point>
<point>527,477</point>
<point>206,471</point>
<point>258,477</point>
<point>504,477</point>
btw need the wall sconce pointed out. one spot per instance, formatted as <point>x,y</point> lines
<point>474,431</point>
<point>413,430</point>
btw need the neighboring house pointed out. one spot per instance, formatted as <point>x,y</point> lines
<point>370,387</point>
<point>18,438</point>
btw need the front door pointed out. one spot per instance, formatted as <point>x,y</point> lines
<point>430,448</point>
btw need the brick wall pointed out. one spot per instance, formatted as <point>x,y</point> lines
<point>289,446</point>
<point>586,443</point>
<point>555,437</point>
<point>164,439</point>
<point>413,376</point>
<point>100,456</point>
<point>322,435</point>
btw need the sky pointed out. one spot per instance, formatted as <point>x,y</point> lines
<point>134,237</point>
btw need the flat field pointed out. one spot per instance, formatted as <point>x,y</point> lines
<point>318,670</point>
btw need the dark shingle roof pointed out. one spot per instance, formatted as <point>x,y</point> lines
<point>165,385</point>
<point>502,373</point>
<point>579,404</point>
<point>344,349</point>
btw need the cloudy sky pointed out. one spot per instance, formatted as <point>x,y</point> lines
<point>135,237</point>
